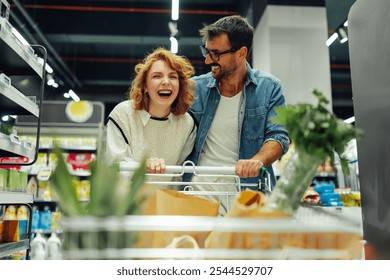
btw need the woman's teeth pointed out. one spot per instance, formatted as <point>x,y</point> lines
<point>164,93</point>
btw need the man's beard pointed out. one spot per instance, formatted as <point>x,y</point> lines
<point>223,73</point>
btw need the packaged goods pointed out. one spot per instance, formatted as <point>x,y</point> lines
<point>38,247</point>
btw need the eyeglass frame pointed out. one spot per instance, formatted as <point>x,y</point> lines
<point>205,51</point>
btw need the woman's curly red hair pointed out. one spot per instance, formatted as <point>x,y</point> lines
<point>178,63</point>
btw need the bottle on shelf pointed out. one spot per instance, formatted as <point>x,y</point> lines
<point>54,247</point>
<point>45,218</point>
<point>38,247</point>
<point>35,219</point>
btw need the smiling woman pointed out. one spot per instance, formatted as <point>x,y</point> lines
<point>154,123</point>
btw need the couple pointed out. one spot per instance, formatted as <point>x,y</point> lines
<point>230,108</point>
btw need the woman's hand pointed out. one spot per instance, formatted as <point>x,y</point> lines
<point>155,166</point>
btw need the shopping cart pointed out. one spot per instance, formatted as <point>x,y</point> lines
<point>221,183</point>
<point>311,234</point>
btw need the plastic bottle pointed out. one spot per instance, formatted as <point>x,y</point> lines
<point>35,219</point>
<point>45,218</point>
<point>38,247</point>
<point>54,247</point>
<point>10,213</point>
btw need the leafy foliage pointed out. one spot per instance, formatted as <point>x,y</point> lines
<point>317,131</point>
<point>110,194</point>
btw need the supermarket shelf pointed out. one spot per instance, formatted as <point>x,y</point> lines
<point>56,130</point>
<point>12,147</point>
<point>16,58</point>
<point>46,231</point>
<point>69,149</point>
<point>15,198</point>
<point>198,253</point>
<point>11,247</point>
<point>13,102</point>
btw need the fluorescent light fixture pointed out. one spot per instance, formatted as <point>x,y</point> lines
<point>50,82</point>
<point>7,117</point>
<point>66,95</point>
<point>19,37</point>
<point>55,85</point>
<point>332,39</point>
<point>174,44</point>
<point>175,9</point>
<point>343,35</point>
<point>47,66</point>
<point>346,23</point>
<point>173,28</point>
<point>350,120</point>
<point>74,95</point>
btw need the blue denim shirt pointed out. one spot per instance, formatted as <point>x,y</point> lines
<point>262,93</point>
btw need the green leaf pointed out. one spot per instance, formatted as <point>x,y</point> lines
<point>61,182</point>
<point>104,181</point>
<point>315,130</point>
<point>132,200</point>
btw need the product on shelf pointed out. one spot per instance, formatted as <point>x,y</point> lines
<point>45,218</point>
<point>38,247</point>
<point>54,247</point>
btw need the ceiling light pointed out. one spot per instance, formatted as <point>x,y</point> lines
<point>173,28</point>
<point>50,82</point>
<point>332,39</point>
<point>346,23</point>
<point>342,35</point>
<point>74,95</point>
<point>174,44</point>
<point>175,9</point>
<point>47,66</point>
<point>350,120</point>
<point>66,95</point>
<point>7,118</point>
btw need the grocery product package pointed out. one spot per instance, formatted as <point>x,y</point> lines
<point>283,236</point>
<point>171,202</point>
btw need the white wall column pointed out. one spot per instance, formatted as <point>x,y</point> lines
<point>289,42</point>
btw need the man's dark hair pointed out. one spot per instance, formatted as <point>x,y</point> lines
<point>237,28</point>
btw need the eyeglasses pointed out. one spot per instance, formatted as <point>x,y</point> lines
<point>215,55</point>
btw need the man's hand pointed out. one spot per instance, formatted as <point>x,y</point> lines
<point>246,168</point>
<point>155,166</point>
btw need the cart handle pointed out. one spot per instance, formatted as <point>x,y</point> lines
<point>187,167</point>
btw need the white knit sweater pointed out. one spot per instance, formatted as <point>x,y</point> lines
<point>134,135</point>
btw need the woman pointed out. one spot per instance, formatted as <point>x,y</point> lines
<point>154,123</point>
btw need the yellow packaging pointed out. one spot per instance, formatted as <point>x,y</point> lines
<point>55,221</point>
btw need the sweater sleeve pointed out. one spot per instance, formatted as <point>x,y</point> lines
<point>189,145</point>
<point>117,150</point>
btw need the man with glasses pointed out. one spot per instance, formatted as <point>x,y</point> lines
<point>234,105</point>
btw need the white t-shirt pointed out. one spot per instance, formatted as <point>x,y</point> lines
<point>221,146</point>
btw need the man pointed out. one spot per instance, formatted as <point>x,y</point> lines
<point>234,105</point>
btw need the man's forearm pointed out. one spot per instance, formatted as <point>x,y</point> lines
<point>269,153</point>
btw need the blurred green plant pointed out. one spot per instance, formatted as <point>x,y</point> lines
<point>318,135</point>
<point>317,131</point>
<point>110,195</point>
